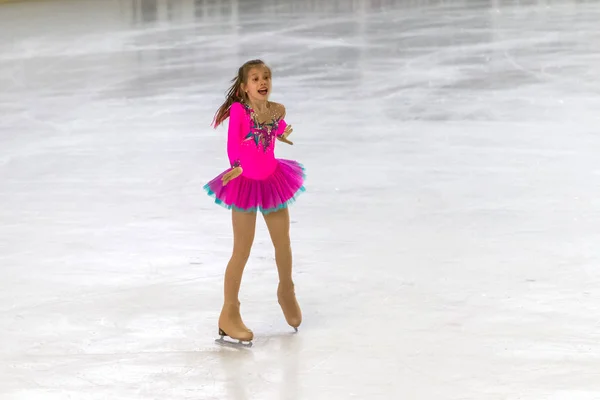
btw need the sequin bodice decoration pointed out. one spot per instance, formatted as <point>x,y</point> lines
<point>261,133</point>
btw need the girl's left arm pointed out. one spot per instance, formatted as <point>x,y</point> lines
<point>283,130</point>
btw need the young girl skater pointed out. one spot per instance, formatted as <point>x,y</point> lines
<point>256,181</point>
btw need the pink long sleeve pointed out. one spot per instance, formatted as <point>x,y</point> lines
<point>234,134</point>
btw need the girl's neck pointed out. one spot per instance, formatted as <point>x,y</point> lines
<point>259,106</point>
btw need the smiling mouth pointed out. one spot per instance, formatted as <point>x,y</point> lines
<point>263,91</point>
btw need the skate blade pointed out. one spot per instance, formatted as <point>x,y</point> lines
<point>231,343</point>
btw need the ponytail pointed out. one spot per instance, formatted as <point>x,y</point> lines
<point>233,95</point>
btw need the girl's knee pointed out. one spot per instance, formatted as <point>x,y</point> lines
<point>282,244</point>
<point>241,255</point>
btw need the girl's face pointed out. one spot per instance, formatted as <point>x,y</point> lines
<point>258,84</point>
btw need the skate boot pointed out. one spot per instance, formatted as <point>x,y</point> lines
<point>232,326</point>
<point>286,297</point>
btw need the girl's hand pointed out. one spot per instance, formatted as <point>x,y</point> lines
<point>283,138</point>
<point>231,174</point>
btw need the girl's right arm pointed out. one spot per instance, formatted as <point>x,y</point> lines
<point>234,134</point>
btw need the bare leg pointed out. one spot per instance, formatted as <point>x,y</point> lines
<point>278,224</point>
<point>230,321</point>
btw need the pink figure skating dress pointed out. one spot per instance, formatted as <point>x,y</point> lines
<point>267,184</point>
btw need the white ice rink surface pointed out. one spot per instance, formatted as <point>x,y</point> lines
<point>447,247</point>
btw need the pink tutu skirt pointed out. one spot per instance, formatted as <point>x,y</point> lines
<point>273,193</point>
